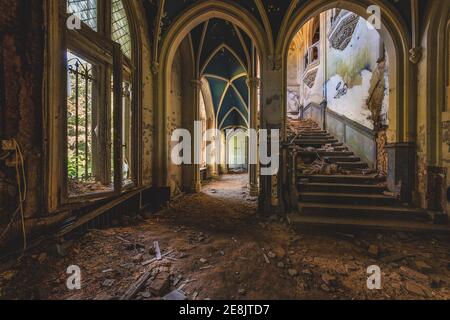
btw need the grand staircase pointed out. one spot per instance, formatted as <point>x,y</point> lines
<point>336,189</point>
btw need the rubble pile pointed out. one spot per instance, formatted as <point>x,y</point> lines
<point>213,245</point>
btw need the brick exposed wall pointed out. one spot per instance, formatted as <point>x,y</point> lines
<point>21,87</point>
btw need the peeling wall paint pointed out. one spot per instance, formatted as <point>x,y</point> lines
<point>174,120</point>
<point>354,68</point>
<point>350,71</point>
<point>147,114</point>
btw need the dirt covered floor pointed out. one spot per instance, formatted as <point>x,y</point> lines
<point>215,246</point>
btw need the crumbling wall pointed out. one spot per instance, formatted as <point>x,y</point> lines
<point>21,81</point>
<point>355,69</point>
<point>147,95</point>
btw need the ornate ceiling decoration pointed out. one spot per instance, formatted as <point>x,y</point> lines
<point>343,29</point>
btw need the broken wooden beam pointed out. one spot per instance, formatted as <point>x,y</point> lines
<point>137,286</point>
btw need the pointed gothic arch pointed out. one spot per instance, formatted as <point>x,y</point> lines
<point>398,43</point>
<point>179,29</point>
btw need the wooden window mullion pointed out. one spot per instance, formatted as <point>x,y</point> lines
<point>104,18</point>
<point>117,118</point>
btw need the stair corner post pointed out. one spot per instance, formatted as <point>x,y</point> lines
<point>323,108</point>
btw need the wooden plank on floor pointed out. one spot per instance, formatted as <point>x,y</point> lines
<point>97,212</point>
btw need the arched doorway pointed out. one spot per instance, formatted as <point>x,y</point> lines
<point>397,43</point>
<point>193,25</point>
<point>401,133</point>
<point>339,78</point>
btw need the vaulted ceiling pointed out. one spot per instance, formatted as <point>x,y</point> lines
<point>223,52</point>
<point>273,12</point>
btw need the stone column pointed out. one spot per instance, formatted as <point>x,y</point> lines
<point>272,118</point>
<point>253,86</point>
<point>196,146</point>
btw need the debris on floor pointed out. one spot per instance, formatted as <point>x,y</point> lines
<point>215,246</point>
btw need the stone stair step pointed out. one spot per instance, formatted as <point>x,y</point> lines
<point>353,165</point>
<point>315,137</point>
<point>316,141</point>
<point>327,153</point>
<point>314,134</point>
<point>336,159</point>
<point>341,188</point>
<point>355,200</point>
<point>344,179</point>
<point>350,223</point>
<point>341,148</point>
<point>310,144</point>
<point>349,210</point>
<point>349,198</point>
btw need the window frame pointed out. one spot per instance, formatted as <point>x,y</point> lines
<point>98,48</point>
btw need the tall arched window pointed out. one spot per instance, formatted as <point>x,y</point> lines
<point>100,121</point>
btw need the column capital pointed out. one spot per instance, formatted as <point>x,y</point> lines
<point>196,84</point>
<point>254,82</point>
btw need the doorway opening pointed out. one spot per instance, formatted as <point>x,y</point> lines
<point>211,83</point>
<point>338,79</point>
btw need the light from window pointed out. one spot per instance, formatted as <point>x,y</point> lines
<point>120,27</point>
<point>86,10</point>
<point>82,128</point>
<point>127,135</point>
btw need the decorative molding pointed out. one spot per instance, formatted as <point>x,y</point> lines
<point>196,84</point>
<point>253,82</point>
<point>275,62</point>
<point>158,30</point>
<point>415,55</point>
<point>310,78</point>
<point>265,19</point>
<point>155,67</point>
<point>343,29</point>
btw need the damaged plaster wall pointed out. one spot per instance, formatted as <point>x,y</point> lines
<point>433,164</point>
<point>422,137</point>
<point>175,119</point>
<point>147,107</point>
<point>21,84</point>
<point>304,83</point>
<point>352,57</point>
<point>351,73</point>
